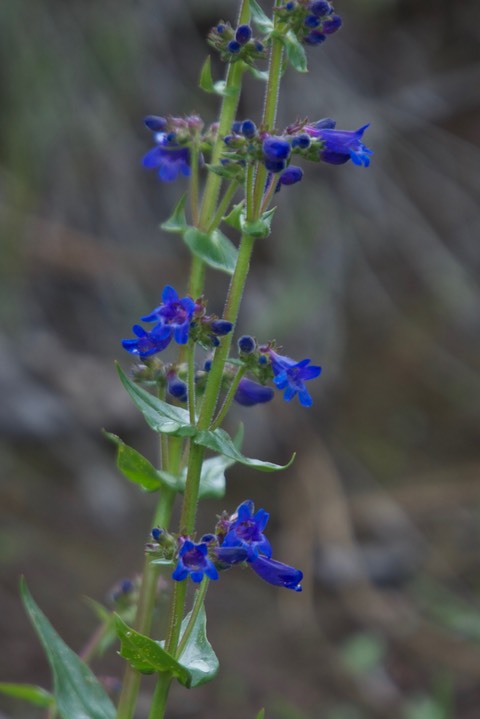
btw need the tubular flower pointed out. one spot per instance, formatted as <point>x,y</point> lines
<point>250,393</point>
<point>193,560</point>
<point>173,317</point>
<point>291,376</point>
<point>273,572</point>
<point>168,157</point>
<point>246,531</point>
<point>339,146</point>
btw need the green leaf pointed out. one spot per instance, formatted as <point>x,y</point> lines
<point>258,74</point>
<point>261,714</point>
<point>159,415</point>
<point>147,655</point>
<point>261,20</point>
<point>213,248</point>
<point>261,227</point>
<point>77,692</point>
<point>29,692</point>
<point>177,221</point>
<point>198,656</point>
<point>295,51</point>
<point>206,80</point>
<point>234,216</point>
<point>219,441</point>
<point>137,469</point>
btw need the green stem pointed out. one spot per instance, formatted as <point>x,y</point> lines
<point>197,277</point>
<point>194,181</point>
<point>160,696</point>
<point>233,86</point>
<point>224,205</point>
<point>229,398</point>
<point>197,605</point>
<point>191,380</point>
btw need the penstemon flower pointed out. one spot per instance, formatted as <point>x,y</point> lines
<point>291,376</point>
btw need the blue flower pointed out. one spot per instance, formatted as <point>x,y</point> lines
<point>176,387</point>
<point>193,560</point>
<point>173,316</point>
<point>246,531</point>
<point>250,393</point>
<point>291,376</point>
<point>273,572</point>
<point>147,343</point>
<point>168,157</point>
<point>276,148</point>
<point>339,146</point>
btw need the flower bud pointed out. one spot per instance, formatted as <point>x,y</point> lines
<point>243,34</point>
<point>276,148</point>
<point>155,123</point>
<point>246,344</point>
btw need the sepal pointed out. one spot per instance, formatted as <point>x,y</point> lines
<point>259,228</point>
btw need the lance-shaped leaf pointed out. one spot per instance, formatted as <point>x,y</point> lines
<point>208,85</point>
<point>137,469</point>
<point>29,693</point>
<point>214,248</point>
<point>159,415</point>
<point>146,655</point>
<point>294,50</point>
<point>198,656</point>
<point>177,221</point>
<point>219,441</point>
<point>77,692</point>
<point>261,20</point>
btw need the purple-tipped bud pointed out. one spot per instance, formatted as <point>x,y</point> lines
<point>289,6</point>
<point>221,327</point>
<point>326,124</point>
<point>332,24</point>
<point>236,128</point>
<point>208,538</point>
<point>155,123</point>
<point>315,37</point>
<point>246,344</point>
<point>320,8</point>
<point>250,393</point>
<point>243,34</point>
<point>291,175</point>
<point>259,46</point>
<point>276,148</point>
<point>274,165</point>
<point>177,388</point>
<point>311,21</point>
<point>208,365</point>
<point>220,28</point>
<point>233,46</point>
<point>249,129</point>
<point>301,141</point>
<point>157,533</point>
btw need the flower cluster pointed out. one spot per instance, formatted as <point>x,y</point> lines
<point>238,539</point>
<point>235,44</point>
<point>310,20</point>
<point>176,318</point>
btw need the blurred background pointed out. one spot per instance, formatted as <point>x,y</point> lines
<point>371,273</point>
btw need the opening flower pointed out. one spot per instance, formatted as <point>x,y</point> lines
<point>146,344</point>
<point>246,531</point>
<point>173,316</point>
<point>339,146</point>
<point>168,157</point>
<point>291,376</point>
<point>193,560</point>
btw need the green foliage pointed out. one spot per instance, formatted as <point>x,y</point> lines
<point>294,50</point>
<point>29,692</point>
<point>262,21</point>
<point>261,227</point>
<point>163,417</point>
<point>214,248</point>
<point>207,84</point>
<point>77,692</point>
<point>137,469</point>
<point>177,221</point>
<point>196,665</point>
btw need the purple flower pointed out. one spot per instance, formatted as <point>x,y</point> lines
<point>291,376</point>
<point>193,560</point>
<point>332,24</point>
<point>276,148</point>
<point>290,176</point>
<point>246,531</point>
<point>176,387</point>
<point>147,343</point>
<point>273,572</point>
<point>168,157</point>
<point>243,34</point>
<point>173,316</point>
<point>339,146</point>
<point>250,393</point>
